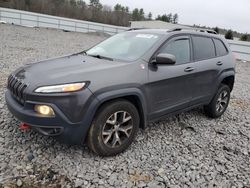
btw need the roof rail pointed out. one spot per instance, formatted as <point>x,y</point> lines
<point>194,29</point>
<point>133,29</point>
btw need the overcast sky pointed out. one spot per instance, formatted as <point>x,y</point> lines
<point>230,14</point>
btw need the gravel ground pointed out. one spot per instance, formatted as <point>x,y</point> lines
<point>188,150</point>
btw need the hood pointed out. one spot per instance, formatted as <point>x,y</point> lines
<point>68,69</point>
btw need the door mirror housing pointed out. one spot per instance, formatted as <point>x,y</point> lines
<point>164,58</point>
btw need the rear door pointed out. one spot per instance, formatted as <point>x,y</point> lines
<point>169,88</point>
<point>207,68</point>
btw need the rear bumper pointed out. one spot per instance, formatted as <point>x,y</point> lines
<point>59,126</point>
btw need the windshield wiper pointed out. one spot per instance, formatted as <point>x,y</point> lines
<point>101,57</point>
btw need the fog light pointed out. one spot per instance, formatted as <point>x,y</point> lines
<point>44,110</point>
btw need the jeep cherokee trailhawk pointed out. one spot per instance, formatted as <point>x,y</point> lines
<point>103,95</point>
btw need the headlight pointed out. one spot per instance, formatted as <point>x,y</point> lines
<point>61,88</point>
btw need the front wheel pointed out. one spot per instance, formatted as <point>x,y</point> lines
<point>114,128</point>
<point>219,103</point>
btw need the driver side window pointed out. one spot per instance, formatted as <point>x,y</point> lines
<point>180,48</point>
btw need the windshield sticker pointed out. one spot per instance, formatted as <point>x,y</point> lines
<point>147,36</point>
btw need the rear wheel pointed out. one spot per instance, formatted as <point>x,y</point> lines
<point>219,103</point>
<point>114,128</point>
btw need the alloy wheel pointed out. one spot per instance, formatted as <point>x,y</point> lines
<point>222,101</point>
<point>117,129</point>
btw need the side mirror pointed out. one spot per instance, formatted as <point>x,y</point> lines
<point>165,59</point>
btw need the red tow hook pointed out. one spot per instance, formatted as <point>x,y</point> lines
<point>24,127</point>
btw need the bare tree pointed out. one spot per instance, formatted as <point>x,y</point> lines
<point>175,18</point>
<point>79,9</point>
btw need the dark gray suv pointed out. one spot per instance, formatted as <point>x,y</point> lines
<point>103,95</point>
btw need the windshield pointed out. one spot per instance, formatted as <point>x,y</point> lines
<point>127,46</point>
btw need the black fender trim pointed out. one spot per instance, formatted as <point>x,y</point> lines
<point>125,92</point>
<point>223,75</point>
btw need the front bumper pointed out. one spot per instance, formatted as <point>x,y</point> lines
<point>69,132</point>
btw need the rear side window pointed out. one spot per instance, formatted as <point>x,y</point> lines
<point>180,48</point>
<point>220,47</point>
<point>203,48</point>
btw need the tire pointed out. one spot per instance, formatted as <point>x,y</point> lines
<point>115,119</point>
<point>219,103</point>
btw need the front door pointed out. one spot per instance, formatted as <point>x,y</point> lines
<point>170,86</point>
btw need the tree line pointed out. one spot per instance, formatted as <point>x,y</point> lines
<point>93,11</point>
<point>172,18</point>
<point>229,34</point>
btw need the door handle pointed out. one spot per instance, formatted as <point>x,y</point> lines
<point>189,69</point>
<point>219,63</point>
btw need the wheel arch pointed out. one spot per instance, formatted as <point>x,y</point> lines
<point>132,95</point>
<point>229,81</point>
<point>227,78</point>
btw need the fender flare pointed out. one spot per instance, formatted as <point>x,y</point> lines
<point>223,75</point>
<point>125,92</point>
<point>220,78</point>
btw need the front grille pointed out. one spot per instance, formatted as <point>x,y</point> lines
<point>17,87</point>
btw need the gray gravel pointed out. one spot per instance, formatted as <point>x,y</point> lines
<point>188,150</point>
